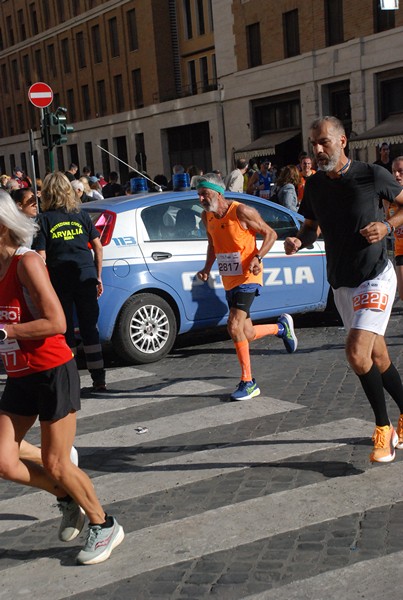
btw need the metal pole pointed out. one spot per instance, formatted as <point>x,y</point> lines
<point>159,188</point>
<point>31,150</point>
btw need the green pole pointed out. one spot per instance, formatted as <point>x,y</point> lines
<point>51,161</point>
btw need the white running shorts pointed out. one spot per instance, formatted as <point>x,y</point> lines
<point>369,305</point>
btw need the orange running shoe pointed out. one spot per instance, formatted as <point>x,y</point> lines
<point>385,441</point>
<point>400,432</point>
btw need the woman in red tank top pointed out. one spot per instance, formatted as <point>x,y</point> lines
<point>42,382</point>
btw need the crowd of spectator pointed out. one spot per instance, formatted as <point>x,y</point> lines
<point>257,176</point>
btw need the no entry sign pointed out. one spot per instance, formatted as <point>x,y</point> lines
<point>40,94</point>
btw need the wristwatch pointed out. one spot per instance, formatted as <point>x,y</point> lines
<point>258,257</point>
<point>3,335</point>
<point>389,227</point>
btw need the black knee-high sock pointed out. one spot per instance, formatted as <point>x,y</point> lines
<point>373,387</point>
<point>393,385</point>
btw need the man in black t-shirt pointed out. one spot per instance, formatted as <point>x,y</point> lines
<point>113,188</point>
<point>344,199</point>
<point>384,157</point>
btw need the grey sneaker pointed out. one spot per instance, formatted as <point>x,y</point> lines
<point>72,520</point>
<point>100,542</point>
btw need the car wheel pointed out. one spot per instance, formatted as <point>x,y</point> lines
<point>145,330</point>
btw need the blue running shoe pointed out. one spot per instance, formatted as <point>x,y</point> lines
<point>100,542</point>
<point>245,390</point>
<point>288,336</point>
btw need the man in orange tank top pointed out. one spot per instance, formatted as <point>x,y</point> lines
<point>231,230</point>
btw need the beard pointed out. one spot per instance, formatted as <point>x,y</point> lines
<point>331,161</point>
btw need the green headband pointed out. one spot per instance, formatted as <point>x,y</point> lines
<point>211,186</point>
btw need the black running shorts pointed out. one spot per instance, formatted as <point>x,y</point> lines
<point>51,394</point>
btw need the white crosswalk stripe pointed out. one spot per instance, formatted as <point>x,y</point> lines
<point>220,529</point>
<point>210,463</point>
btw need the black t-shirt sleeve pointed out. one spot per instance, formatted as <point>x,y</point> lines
<point>39,241</point>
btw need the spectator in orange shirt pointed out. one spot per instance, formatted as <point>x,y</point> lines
<point>306,171</point>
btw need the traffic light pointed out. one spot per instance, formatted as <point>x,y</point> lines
<point>54,128</point>
<point>64,129</point>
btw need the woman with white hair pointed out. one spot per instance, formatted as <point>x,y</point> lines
<point>42,381</point>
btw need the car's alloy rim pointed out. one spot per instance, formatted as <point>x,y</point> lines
<point>149,329</point>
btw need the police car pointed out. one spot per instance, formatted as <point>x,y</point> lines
<point>154,244</point>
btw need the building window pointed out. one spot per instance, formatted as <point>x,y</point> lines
<point>80,45</point>
<point>16,74</point>
<point>192,77</point>
<point>383,19</point>
<point>291,33</point>
<point>339,103</point>
<point>253,45</point>
<point>102,108</point>
<point>106,168</point>
<point>89,158</point>
<point>4,78</point>
<point>9,118</point>
<point>21,121</point>
<point>21,25</point>
<point>390,94</point>
<point>10,31</point>
<point>214,69</point>
<point>203,66</point>
<point>34,19</point>
<point>114,37</point>
<point>132,29</point>
<point>201,27</point>
<point>137,88</point>
<point>85,98</point>
<point>75,7</point>
<point>66,55</point>
<point>33,115</point>
<point>56,99</point>
<point>52,60</point>
<point>46,13</point>
<point>276,113</point>
<point>334,22</point>
<point>60,158</point>
<point>96,44</point>
<point>119,96</point>
<point>60,10</point>
<point>38,64</point>
<point>188,19</point>
<point>27,69</point>
<point>71,107</point>
<point>210,15</point>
